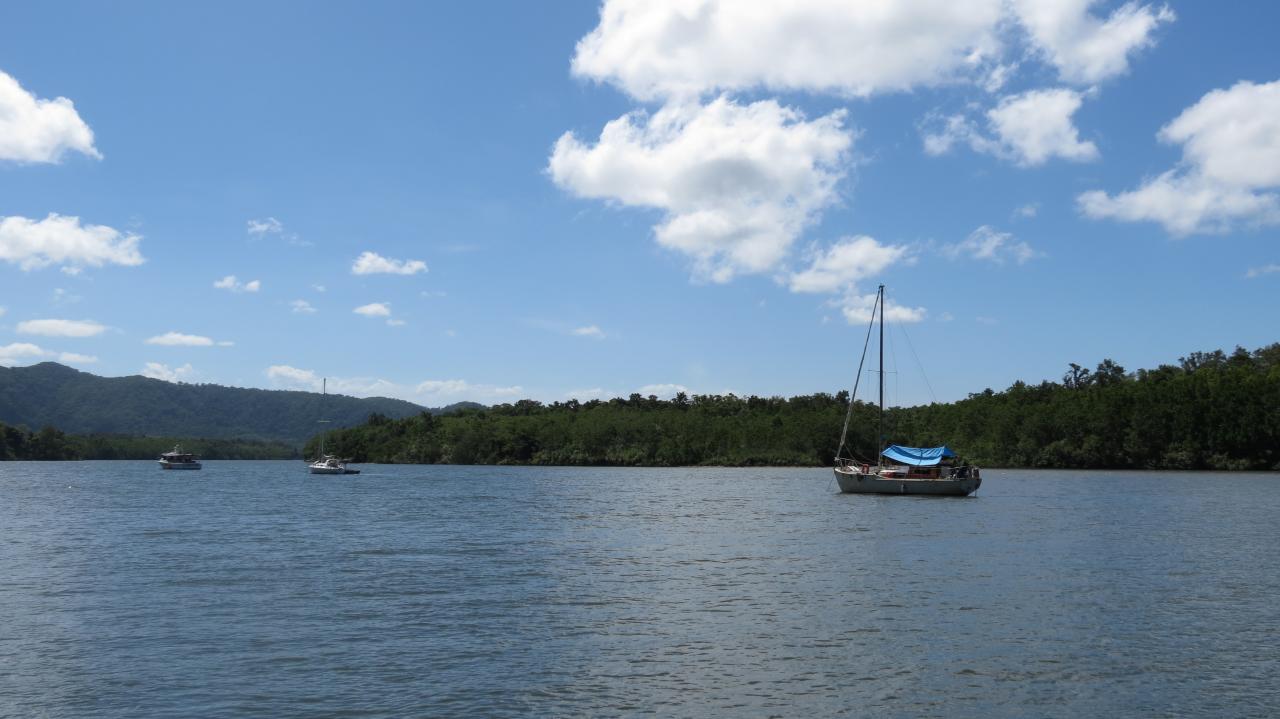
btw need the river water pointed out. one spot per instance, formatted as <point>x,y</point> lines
<point>253,589</point>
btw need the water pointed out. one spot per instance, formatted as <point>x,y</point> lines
<point>253,589</point>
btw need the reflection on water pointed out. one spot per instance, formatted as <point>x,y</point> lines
<point>255,589</point>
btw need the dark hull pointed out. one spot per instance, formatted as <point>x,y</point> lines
<point>853,482</point>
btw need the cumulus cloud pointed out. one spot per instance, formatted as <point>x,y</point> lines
<point>24,352</point>
<point>177,339</point>
<point>231,284</point>
<point>62,328</point>
<point>591,331</point>
<point>1229,172</point>
<point>663,390</point>
<point>662,49</point>
<point>289,377</point>
<point>302,307</point>
<point>1085,48</point>
<point>679,48</point>
<point>19,353</point>
<point>430,392</point>
<point>988,243</point>
<point>160,371</point>
<point>60,240</point>
<point>845,263</point>
<point>736,183</point>
<point>35,130</point>
<point>440,392</point>
<point>857,308</point>
<point>374,309</point>
<point>1028,129</point>
<point>371,263</point>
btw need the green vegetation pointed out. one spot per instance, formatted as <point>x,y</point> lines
<point>50,394</point>
<point>1212,411</point>
<point>19,443</point>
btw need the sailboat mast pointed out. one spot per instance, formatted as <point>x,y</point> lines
<point>324,391</point>
<point>880,445</point>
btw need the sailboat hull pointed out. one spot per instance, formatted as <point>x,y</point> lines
<point>852,482</point>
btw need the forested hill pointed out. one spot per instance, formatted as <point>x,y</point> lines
<point>49,394</point>
<point>1210,411</point>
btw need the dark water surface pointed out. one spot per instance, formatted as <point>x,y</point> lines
<point>254,589</point>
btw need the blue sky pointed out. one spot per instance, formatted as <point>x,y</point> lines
<point>569,199</point>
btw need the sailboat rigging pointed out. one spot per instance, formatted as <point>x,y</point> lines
<point>910,470</point>
<point>328,463</point>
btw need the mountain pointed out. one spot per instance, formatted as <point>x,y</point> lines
<point>81,403</point>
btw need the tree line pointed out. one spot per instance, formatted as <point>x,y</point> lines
<point>1213,410</point>
<point>49,443</point>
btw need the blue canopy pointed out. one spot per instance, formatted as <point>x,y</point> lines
<point>918,456</point>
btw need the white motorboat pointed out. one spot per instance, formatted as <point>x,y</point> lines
<point>177,459</point>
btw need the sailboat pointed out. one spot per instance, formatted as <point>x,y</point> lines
<point>899,469</point>
<point>328,463</point>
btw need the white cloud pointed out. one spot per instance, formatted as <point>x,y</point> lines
<point>24,352</point>
<point>679,48</point>
<point>987,243</point>
<point>585,394</point>
<point>20,352</point>
<point>270,226</point>
<point>35,130</point>
<point>2,311</point>
<point>289,377</point>
<point>60,240</point>
<point>63,297</point>
<point>737,183</point>
<point>1083,47</point>
<point>302,307</point>
<point>392,322</point>
<point>441,392</point>
<point>656,49</point>
<point>1255,272</point>
<point>62,328</point>
<point>1036,126</point>
<point>1027,211</point>
<point>157,370</point>
<point>76,358</point>
<point>589,331</point>
<point>230,283</point>
<point>177,339</point>
<point>845,263</point>
<point>1028,129</point>
<point>371,263</point>
<point>318,288</point>
<point>293,378</point>
<point>663,391</point>
<point>1229,172</point>
<point>856,309</point>
<point>374,309</point>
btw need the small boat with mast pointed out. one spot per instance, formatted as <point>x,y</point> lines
<point>328,463</point>
<point>909,470</point>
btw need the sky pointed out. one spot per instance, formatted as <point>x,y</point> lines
<point>487,202</point>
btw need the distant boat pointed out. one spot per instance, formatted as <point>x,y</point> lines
<point>177,459</point>
<point>328,463</point>
<point>909,470</point>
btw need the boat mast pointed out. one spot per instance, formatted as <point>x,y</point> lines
<point>324,391</point>
<point>880,445</point>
